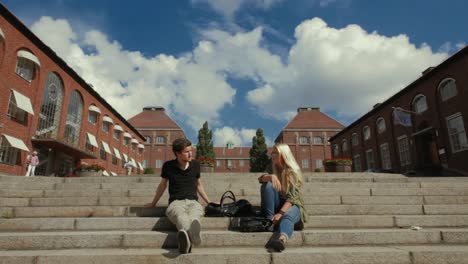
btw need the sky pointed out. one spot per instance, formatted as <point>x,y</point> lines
<point>247,64</point>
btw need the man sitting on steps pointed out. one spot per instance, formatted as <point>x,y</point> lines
<point>184,210</point>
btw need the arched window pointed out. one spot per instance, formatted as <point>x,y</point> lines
<point>51,107</point>
<point>344,145</point>
<point>381,127</point>
<point>447,89</point>
<point>419,103</point>
<point>366,132</point>
<point>354,139</point>
<point>74,114</point>
<point>26,64</point>
<point>336,150</point>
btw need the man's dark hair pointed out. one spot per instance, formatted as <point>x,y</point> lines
<point>179,144</point>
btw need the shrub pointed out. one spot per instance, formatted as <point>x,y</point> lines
<point>317,170</point>
<point>207,161</point>
<point>92,167</point>
<point>340,161</point>
<point>148,171</point>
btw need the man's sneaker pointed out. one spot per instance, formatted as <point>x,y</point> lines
<point>195,229</point>
<point>184,242</point>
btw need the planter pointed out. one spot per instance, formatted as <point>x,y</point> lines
<point>89,173</point>
<point>330,168</point>
<point>343,168</point>
<point>206,168</point>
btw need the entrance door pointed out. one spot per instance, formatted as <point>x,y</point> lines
<point>427,150</point>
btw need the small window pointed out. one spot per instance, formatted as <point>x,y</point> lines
<point>385,156</point>
<point>145,163</point>
<point>160,140</point>
<point>25,69</point>
<point>218,163</point>
<point>126,141</point>
<point>133,147</point>
<point>318,163</point>
<point>92,117</point>
<point>336,150</point>
<point>241,163</point>
<point>420,104</point>
<point>457,135</point>
<point>305,163</point>
<point>381,127</point>
<point>147,139</point>
<point>366,132</point>
<point>116,134</point>
<point>230,163</point>
<point>8,154</point>
<point>318,140</point>
<point>447,89</point>
<point>344,145</point>
<point>103,153</point>
<point>304,140</point>
<point>114,160</point>
<point>354,139</point>
<point>14,112</point>
<point>89,147</point>
<point>105,127</point>
<point>140,151</point>
<point>370,159</point>
<point>403,148</point>
<point>159,164</point>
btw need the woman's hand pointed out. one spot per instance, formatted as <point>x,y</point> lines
<point>276,183</point>
<point>149,205</point>
<point>276,218</point>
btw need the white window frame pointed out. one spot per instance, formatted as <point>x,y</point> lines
<point>318,140</point>
<point>160,140</point>
<point>93,117</point>
<point>25,69</point>
<point>159,164</point>
<point>116,134</point>
<point>366,133</point>
<point>385,156</point>
<point>370,162</point>
<point>318,163</point>
<point>344,145</point>
<point>459,135</point>
<point>336,150</point>
<point>105,127</point>
<point>381,126</point>
<point>8,154</point>
<point>419,104</point>
<point>404,150</point>
<point>447,92</point>
<point>230,163</point>
<point>148,139</point>
<point>241,163</point>
<point>357,163</point>
<point>355,139</point>
<point>305,163</point>
<point>218,163</point>
<point>304,140</point>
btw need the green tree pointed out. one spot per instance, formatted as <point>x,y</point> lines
<point>205,143</point>
<point>258,153</point>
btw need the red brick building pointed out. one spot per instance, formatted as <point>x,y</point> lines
<point>430,132</point>
<point>49,108</point>
<point>158,130</point>
<point>307,135</point>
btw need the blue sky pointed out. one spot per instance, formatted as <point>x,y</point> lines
<point>245,64</point>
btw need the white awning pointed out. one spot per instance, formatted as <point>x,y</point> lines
<point>107,119</point>
<point>118,128</point>
<point>94,108</point>
<point>125,157</point>
<point>141,167</point>
<point>134,141</point>
<point>117,153</point>
<point>134,163</point>
<point>105,173</point>
<point>92,140</point>
<point>1,34</point>
<point>23,102</point>
<point>141,146</point>
<point>127,135</point>
<point>16,142</point>
<point>29,56</point>
<point>113,173</point>
<point>106,147</point>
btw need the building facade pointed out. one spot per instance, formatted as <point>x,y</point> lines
<point>49,108</point>
<point>421,128</point>
<point>307,135</point>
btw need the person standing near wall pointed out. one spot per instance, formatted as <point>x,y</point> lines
<point>32,161</point>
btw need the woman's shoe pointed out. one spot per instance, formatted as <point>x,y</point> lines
<point>277,245</point>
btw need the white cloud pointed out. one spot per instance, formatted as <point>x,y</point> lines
<point>239,137</point>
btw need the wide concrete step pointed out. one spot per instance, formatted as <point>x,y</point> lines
<point>97,200</point>
<point>223,223</point>
<point>157,239</point>
<point>342,209</point>
<point>428,254</point>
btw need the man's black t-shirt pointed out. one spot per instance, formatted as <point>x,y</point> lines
<point>182,183</point>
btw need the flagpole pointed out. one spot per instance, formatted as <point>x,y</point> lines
<point>403,110</point>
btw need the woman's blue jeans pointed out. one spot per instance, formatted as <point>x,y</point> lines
<point>272,203</point>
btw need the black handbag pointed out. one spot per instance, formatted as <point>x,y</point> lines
<point>235,208</point>
<point>255,224</point>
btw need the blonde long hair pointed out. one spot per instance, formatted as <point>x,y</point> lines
<point>290,175</point>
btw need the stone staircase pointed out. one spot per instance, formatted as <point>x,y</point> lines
<point>353,218</point>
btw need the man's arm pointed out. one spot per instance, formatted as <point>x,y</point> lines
<point>201,191</point>
<point>159,192</point>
